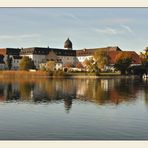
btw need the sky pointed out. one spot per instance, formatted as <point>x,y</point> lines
<point>126,28</point>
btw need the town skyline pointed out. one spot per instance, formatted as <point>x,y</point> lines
<point>86,27</point>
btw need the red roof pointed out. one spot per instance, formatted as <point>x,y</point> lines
<point>3,51</point>
<point>133,54</point>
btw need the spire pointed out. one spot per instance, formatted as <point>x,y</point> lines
<point>68,44</point>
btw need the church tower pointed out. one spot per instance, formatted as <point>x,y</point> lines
<point>68,44</point>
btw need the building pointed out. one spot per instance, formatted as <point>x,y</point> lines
<point>62,57</point>
<point>15,62</point>
<point>41,55</point>
<point>68,44</point>
<point>2,63</point>
<point>12,53</point>
<point>83,54</point>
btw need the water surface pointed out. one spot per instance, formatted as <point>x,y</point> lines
<point>74,109</point>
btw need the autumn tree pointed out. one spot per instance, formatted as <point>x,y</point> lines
<point>26,63</point>
<point>68,65</point>
<point>88,63</point>
<point>144,59</point>
<point>123,61</point>
<point>79,65</point>
<point>25,90</point>
<point>50,65</point>
<point>101,58</point>
<point>91,65</point>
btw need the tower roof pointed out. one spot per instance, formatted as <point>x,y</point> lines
<point>68,44</point>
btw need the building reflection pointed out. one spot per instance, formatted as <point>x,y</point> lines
<point>67,104</point>
<point>98,91</point>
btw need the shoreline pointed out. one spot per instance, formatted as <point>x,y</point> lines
<point>43,74</point>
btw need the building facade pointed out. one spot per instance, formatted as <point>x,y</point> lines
<point>11,53</point>
<point>62,57</point>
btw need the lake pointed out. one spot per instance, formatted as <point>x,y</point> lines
<point>74,109</point>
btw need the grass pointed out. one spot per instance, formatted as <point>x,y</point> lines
<point>110,74</point>
<point>32,74</point>
<point>82,74</point>
<point>22,74</point>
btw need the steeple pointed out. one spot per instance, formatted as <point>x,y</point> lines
<point>68,44</point>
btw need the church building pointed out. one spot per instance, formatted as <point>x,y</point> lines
<point>62,56</point>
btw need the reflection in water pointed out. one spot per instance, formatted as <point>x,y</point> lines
<point>98,91</point>
<point>68,104</point>
<point>145,90</point>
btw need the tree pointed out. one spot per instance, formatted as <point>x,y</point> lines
<point>25,90</point>
<point>123,61</point>
<point>88,63</point>
<point>144,59</point>
<point>101,58</point>
<point>50,65</point>
<point>9,62</point>
<point>26,63</point>
<point>68,65</point>
<point>91,65</point>
<point>79,65</point>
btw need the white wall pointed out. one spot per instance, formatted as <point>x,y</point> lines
<point>36,58</point>
<point>83,58</point>
<point>2,66</point>
<point>15,64</point>
<point>59,66</point>
<point>67,59</point>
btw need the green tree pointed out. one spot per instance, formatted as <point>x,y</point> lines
<point>101,58</point>
<point>26,63</point>
<point>9,62</point>
<point>123,61</point>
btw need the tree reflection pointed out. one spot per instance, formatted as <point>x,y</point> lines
<point>11,92</point>
<point>145,89</point>
<point>2,91</point>
<point>25,90</point>
<point>112,91</point>
<point>98,91</point>
<point>67,104</point>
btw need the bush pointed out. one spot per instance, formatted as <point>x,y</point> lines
<point>26,63</point>
<point>50,73</point>
<point>65,69</point>
<point>57,73</point>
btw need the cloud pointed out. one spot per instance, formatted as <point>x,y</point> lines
<point>127,28</point>
<point>18,37</point>
<point>115,21</point>
<point>68,16</point>
<point>110,31</point>
<point>118,30</point>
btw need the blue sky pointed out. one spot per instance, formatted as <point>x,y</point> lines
<point>86,27</point>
